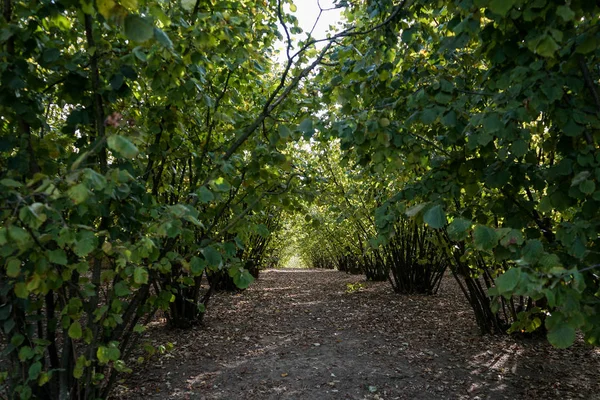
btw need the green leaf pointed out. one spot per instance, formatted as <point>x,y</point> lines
<point>13,267</point>
<point>197,265</point>
<point>79,193</point>
<point>513,237</point>
<point>188,5</point>
<point>532,251</point>
<point>519,148</point>
<point>79,367</point>
<point>435,217</point>
<point>459,229</point>
<point>85,243</point>
<point>450,119</point>
<point>140,275</point>
<point>121,289</point>
<point>75,331</point>
<point>221,184</point>
<point>34,370</point>
<point>138,52</point>
<point>284,131</point>
<point>560,334</point>
<point>416,209</point>
<point>485,238</point>
<point>588,45</point>
<point>212,256</point>
<point>501,7</point>
<point>509,280</point>
<point>241,277</point>
<point>205,195</point>
<point>492,124</point>
<point>105,7</point>
<point>21,290</point>
<point>587,186</point>
<point>138,29</point>
<point>107,354</point>
<point>546,47</point>
<point>580,177</point>
<point>58,256</point>
<point>162,38</point>
<point>122,145</point>
<point>10,183</point>
<point>384,122</point>
<point>306,127</point>
<point>565,13</point>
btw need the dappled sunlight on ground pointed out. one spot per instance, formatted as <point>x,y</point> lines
<point>301,334</point>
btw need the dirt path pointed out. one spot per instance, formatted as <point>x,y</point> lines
<point>301,334</point>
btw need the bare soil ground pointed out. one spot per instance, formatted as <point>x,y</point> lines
<point>301,334</point>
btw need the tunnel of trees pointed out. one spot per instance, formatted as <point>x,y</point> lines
<point>152,152</point>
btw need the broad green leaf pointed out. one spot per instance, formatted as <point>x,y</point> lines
<point>122,145</point>
<point>519,148</point>
<point>532,251</point>
<point>284,131</point>
<point>306,127</point>
<point>435,217</point>
<point>85,243</point>
<point>241,277</point>
<point>140,275</point>
<point>79,367</point>
<point>416,209</point>
<point>459,229</point>
<point>10,183</point>
<point>580,177</point>
<point>34,370</point>
<point>138,52</point>
<point>131,5</point>
<point>75,331</point>
<point>449,119</point>
<point>188,5</point>
<point>13,267</point>
<point>561,335</point>
<point>588,45</point>
<point>501,7</point>
<point>205,195</point>
<point>293,8</point>
<point>547,46</point>
<point>21,290</point>
<point>121,289</point>
<point>587,186</point>
<point>105,7</point>
<point>221,185</point>
<point>106,354</point>
<point>19,236</point>
<point>212,256</point>
<point>58,256</point>
<point>197,265</point>
<point>513,237</point>
<point>162,38</point>
<point>79,193</point>
<point>485,238</point>
<point>492,124</point>
<point>565,13</point>
<point>138,29</point>
<point>509,280</point>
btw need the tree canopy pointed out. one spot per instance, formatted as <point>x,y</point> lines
<point>150,151</point>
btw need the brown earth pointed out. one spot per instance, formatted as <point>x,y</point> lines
<point>306,334</point>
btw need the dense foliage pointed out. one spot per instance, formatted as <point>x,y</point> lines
<point>149,149</point>
<point>490,110</point>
